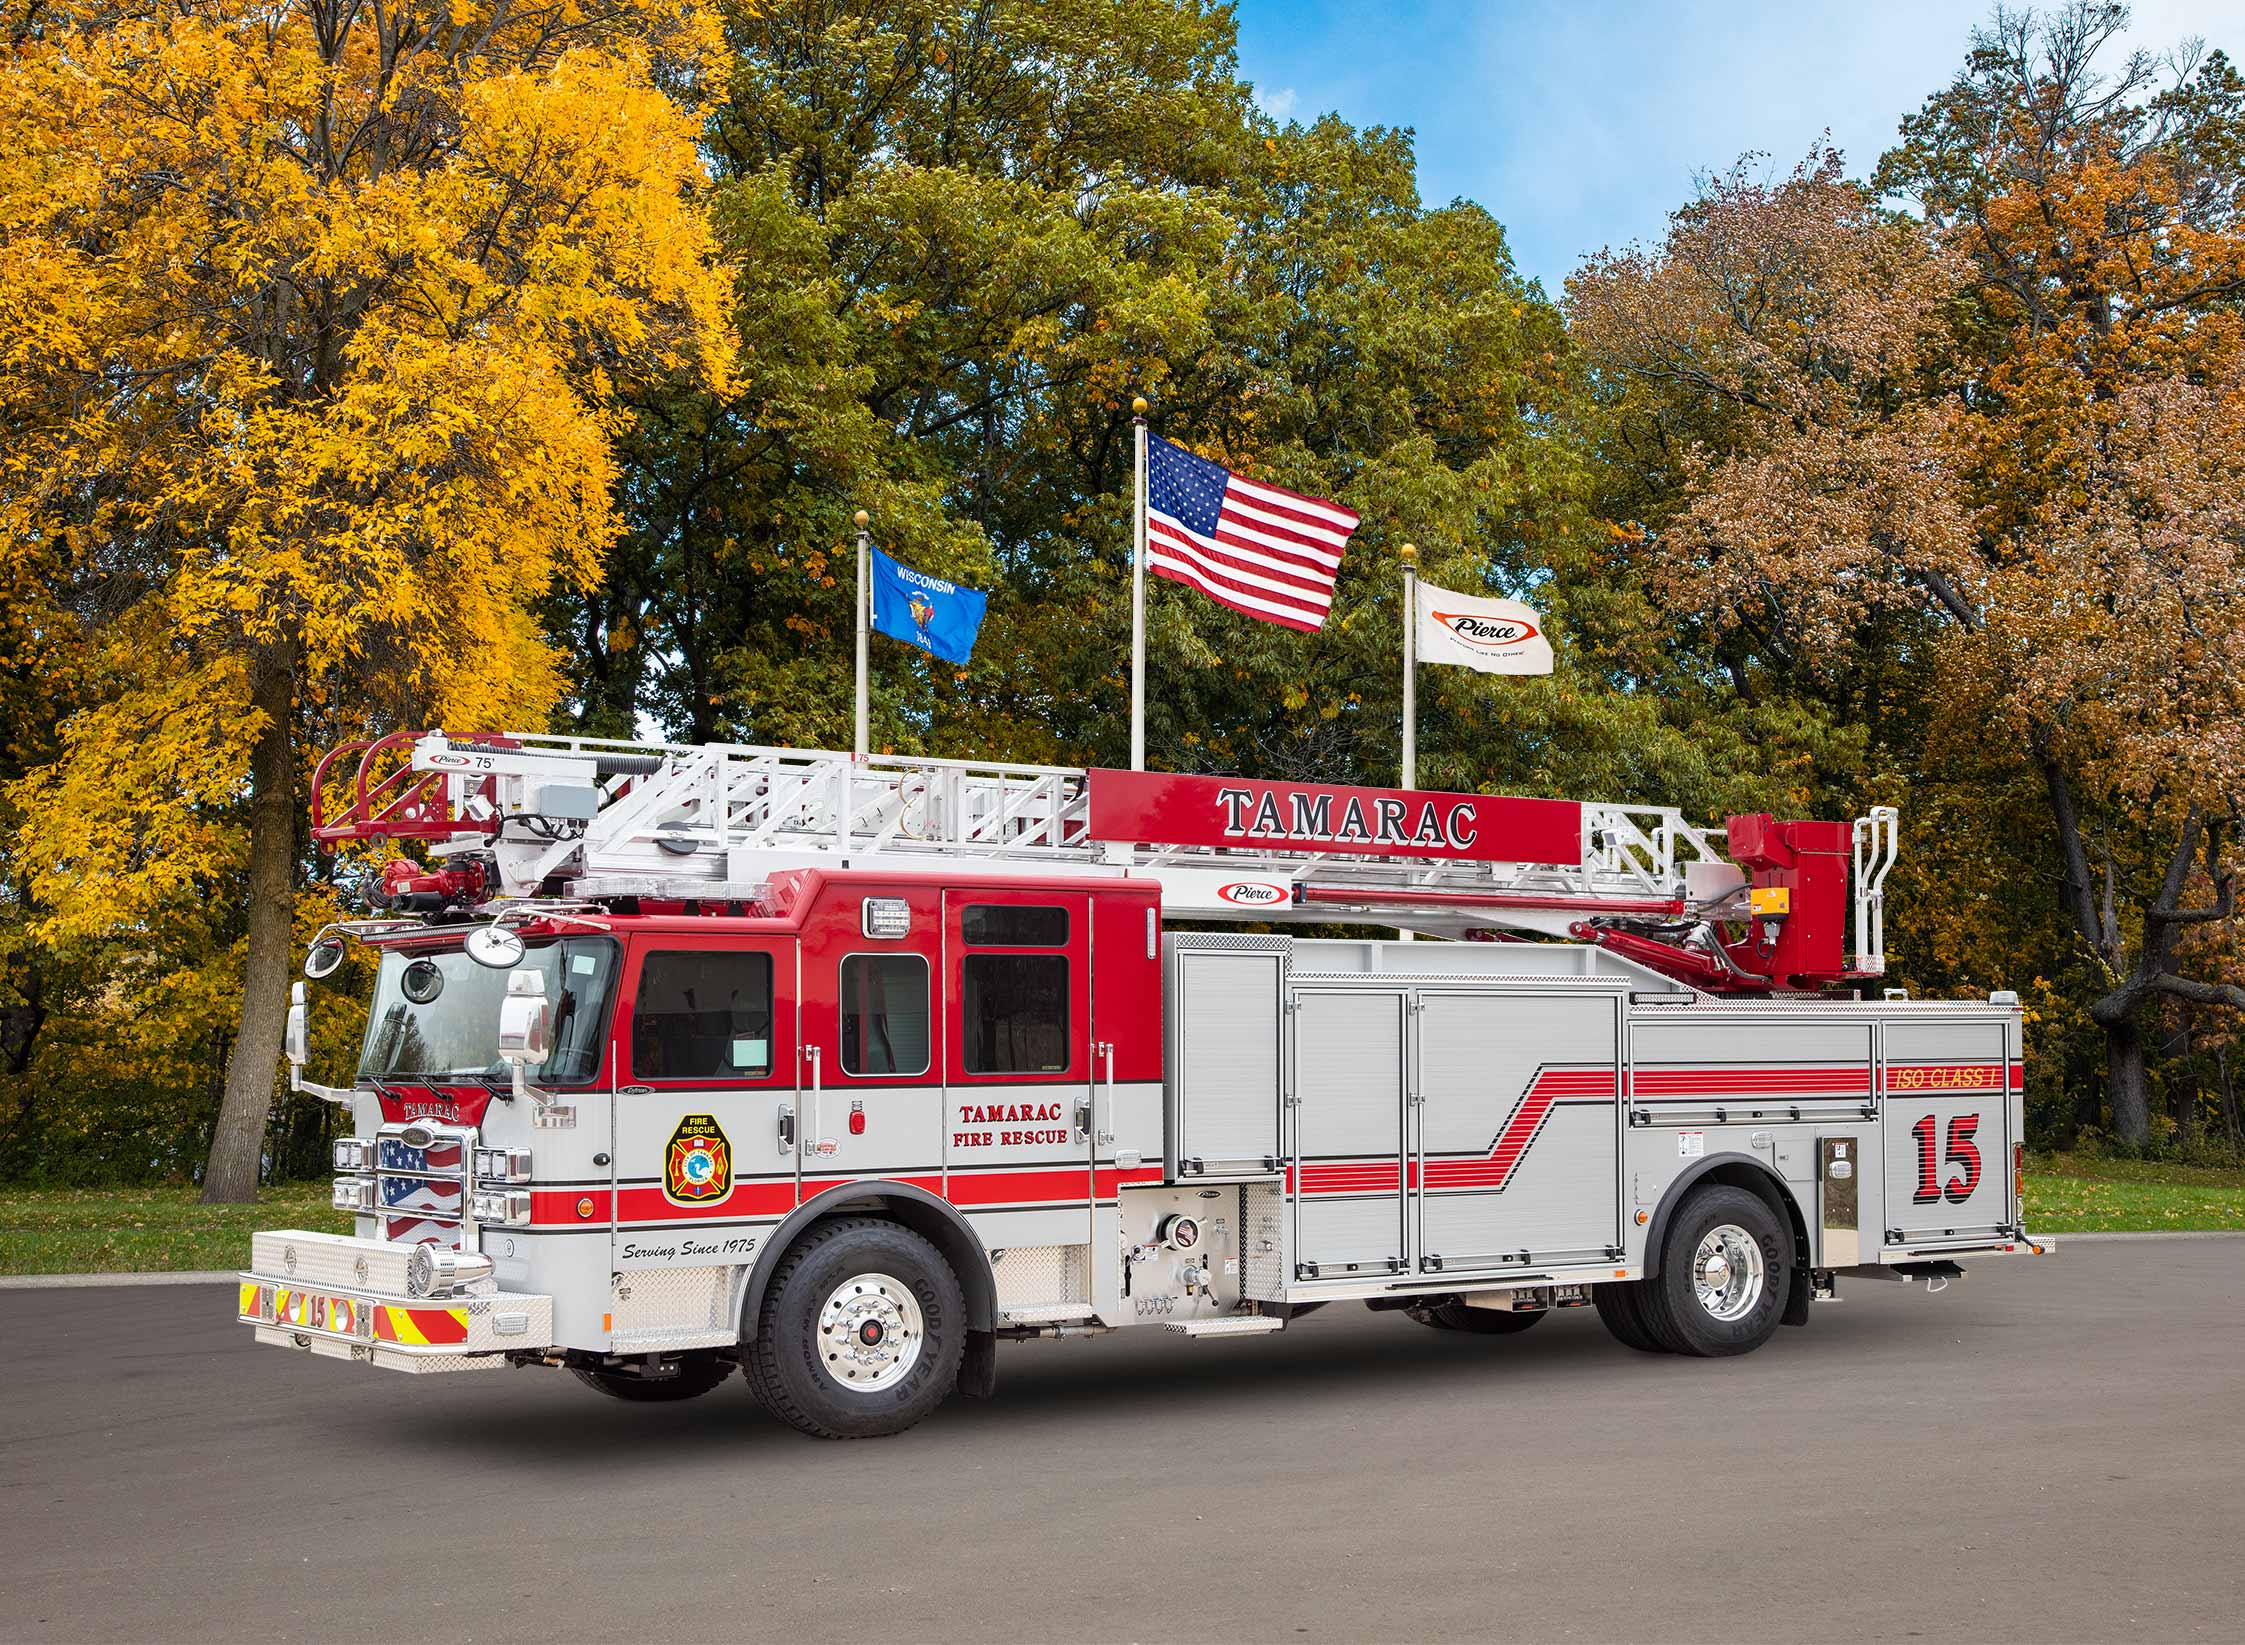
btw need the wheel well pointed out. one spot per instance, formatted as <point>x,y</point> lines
<point>915,1208</point>
<point>1737,1171</point>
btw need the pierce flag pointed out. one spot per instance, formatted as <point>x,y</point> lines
<point>939,617</point>
<point>1494,636</point>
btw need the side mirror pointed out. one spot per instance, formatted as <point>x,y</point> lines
<point>296,1041</point>
<point>525,1020</point>
<point>324,958</point>
<point>496,946</point>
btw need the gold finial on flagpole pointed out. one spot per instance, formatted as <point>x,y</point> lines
<point>1408,553</point>
<point>862,518</point>
<point>1138,405</point>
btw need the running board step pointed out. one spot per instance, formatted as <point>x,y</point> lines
<point>1232,1325</point>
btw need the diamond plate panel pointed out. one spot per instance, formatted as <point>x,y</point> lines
<point>335,1260</point>
<point>1042,1276</point>
<point>1262,1242</point>
<point>672,1300</point>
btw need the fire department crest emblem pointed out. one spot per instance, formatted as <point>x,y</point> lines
<point>698,1167</point>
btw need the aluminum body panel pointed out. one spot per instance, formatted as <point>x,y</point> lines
<point>1948,1131</point>
<point>1349,1133</point>
<point>1221,1012</point>
<point>1519,1125</point>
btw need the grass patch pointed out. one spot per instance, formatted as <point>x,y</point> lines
<point>148,1230</point>
<point>2074,1193</point>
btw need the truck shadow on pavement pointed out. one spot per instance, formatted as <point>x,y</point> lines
<point>1062,1384</point>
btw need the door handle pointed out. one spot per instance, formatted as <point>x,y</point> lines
<point>815,1141</point>
<point>787,1129</point>
<point>1106,1049</point>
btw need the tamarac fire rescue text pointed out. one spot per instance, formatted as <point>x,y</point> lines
<point>835,1071</point>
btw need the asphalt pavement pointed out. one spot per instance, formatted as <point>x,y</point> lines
<point>2053,1449</point>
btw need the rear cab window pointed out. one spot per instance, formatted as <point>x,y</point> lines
<point>1014,982</point>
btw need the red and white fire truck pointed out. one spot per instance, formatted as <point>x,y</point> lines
<point>841,1071</point>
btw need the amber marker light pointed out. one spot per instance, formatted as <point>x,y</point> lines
<point>584,1206</point>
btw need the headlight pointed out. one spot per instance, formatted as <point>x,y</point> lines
<point>353,1194</point>
<point>352,1154</point>
<point>435,1271</point>
<point>502,1165</point>
<point>508,1207</point>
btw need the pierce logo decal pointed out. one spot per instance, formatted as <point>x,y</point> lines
<point>1487,633</point>
<point>698,1165</point>
<point>1253,893</point>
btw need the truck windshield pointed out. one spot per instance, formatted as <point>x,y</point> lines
<point>436,1012</point>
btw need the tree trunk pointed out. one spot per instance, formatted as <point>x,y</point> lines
<point>2229,1097</point>
<point>236,1144</point>
<point>2124,1082</point>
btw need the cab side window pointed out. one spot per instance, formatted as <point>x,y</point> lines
<point>884,1014</point>
<point>702,1014</point>
<point>1014,1006</point>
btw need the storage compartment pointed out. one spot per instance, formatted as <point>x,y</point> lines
<point>1222,1022</point>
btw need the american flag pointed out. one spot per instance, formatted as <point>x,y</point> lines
<point>1257,548</point>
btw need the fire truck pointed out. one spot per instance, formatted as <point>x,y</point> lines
<point>840,1071</point>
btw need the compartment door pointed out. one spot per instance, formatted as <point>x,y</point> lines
<point>1348,1154</point>
<point>1947,1131</point>
<point>1519,1128</point>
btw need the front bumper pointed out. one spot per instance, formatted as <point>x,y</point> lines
<point>346,1298</point>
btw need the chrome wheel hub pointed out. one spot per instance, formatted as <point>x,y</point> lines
<point>870,1332</point>
<point>1728,1272</point>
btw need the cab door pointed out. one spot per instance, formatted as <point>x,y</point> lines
<point>702,1149</point>
<point>1022,1128</point>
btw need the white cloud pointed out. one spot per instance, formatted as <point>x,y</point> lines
<point>1279,104</point>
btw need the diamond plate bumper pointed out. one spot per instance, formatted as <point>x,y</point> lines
<point>345,1298</point>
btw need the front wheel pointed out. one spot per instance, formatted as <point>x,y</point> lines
<point>1480,1322</point>
<point>861,1331</point>
<point>697,1374</point>
<point>1726,1265</point>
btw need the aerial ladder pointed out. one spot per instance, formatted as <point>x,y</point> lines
<point>1758,907</point>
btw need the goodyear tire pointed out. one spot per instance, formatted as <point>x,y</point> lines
<point>1726,1264</point>
<point>1621,1305</point>
<point>697,1375</point>
<point>1480,1322</point>
<point>861,1331</point>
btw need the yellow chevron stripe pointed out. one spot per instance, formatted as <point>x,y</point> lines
<point>248,1309</point>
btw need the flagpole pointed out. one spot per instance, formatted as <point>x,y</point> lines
<point>1409,554</point>
<point>1138,589</point>
<point>864,595</point>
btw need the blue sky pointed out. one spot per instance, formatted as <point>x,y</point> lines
<point>1581,125</point>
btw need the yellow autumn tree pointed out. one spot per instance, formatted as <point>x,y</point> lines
<point>314,316</point>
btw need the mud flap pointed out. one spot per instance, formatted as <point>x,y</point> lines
<point>978,1366</point>
<point>1798,1296</point>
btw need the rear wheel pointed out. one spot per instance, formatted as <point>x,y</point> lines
<point>1726,1265</point>
<point>1621,1305</point>
<point>1480,1322</point>
<point>860,1333</point>
<point>697,1375</point>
